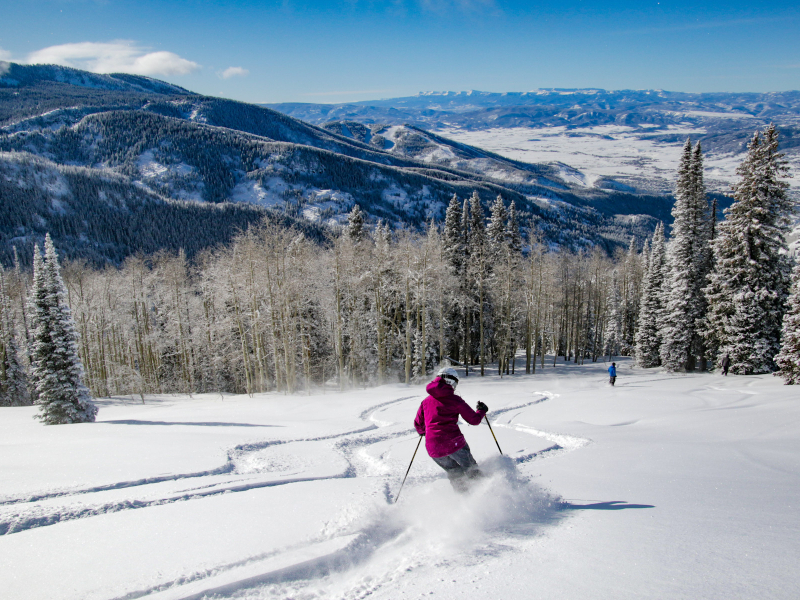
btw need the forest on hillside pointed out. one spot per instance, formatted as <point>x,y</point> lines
<point>276,310</point>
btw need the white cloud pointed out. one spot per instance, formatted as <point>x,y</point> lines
<point>234,72</point>
<point>5,54</point>
<point>121,56</point>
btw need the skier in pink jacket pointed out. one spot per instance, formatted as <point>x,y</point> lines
<point>437,420</point>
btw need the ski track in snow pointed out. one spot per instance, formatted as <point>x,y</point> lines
<point>361,546</point>
<point>42,518</point>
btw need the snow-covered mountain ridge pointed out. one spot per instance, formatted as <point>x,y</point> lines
<point>628,140</point>
<point>189,148</point>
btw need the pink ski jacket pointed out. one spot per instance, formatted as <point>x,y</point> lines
<point>437,419</point>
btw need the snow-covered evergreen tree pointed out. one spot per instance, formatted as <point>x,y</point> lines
<point>453,238</point>
<point>788,359</point>
<point>513,235</point>
<point>496,230</point>
<point>651,306</point>
<point>687,259</point>
<point>57,372</point>
<point>355,224</point>
<point>13,382</point>
<point>478,250</point>
<point>750,282</point>
<point>630,294</point>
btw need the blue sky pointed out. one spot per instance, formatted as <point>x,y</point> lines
<point>346,50</point>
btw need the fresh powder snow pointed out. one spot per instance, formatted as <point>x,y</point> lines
<point>664,486</point>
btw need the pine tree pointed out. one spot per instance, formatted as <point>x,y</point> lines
<point>688,259</point>
<point>453,236</point>
<point>748,288</point>
<point>648,335</point>
<point>788,359</point>
<point>630,299</point>
<point>13,382</point>
<point>355,225</point>
<point>496,231</point>
<point>57,372</point>
<point>513,235</point>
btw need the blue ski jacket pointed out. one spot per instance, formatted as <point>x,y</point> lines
<point>612,371</point>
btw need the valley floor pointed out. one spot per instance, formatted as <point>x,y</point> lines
<point>665,486</point>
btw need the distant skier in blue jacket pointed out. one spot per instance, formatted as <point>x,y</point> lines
<point>612,373</point>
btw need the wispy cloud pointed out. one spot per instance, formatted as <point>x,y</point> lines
<point>120,56</point>
<point>5,54</point>
<point>234,72</point>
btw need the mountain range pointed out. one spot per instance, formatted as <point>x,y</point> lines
<point>113,165</point>
<point>627,140</point>
<point>728,117</point>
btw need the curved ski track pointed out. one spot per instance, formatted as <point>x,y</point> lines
<point>362,545</point>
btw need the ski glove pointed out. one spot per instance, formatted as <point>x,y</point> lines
<point>481,406</point>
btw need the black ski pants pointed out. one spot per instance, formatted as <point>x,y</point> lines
<point>460,467</point>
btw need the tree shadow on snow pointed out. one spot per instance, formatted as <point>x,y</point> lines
<point>613,505</point>
<point>195,423</point>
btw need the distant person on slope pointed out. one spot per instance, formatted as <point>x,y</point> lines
<point>437,420</point>
<point>725,364</point>
<point>612,374</point>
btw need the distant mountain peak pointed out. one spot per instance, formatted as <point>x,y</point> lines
<point>17,75</point>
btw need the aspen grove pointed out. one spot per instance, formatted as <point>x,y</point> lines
<point>276,311</point>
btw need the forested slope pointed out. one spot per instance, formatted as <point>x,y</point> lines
<point>162,142</point>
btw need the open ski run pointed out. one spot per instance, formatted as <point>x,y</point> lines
<point>665,486</point>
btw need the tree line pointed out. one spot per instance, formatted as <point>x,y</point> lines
<point>277,311</point>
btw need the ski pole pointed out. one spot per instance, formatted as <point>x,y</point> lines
<point>408,470</point>
<point>493,435</point>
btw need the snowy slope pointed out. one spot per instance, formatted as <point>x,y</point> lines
<point>662,487</point>
<point>606,155</point>
<point>427,147</point>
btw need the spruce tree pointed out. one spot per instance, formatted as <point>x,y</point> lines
<point>513,235</point>
<point>355,224</point>
<point>13,382</point>
<point>788,359</point>
<point>651,306</point>
<point>750,282</point>
<point>687,259</point>
<point>453,238</point>
<point>630,299</point>
<point>57,372</point>
<point>496,230</point>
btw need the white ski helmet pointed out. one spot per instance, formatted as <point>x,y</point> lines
<point>450,376</point>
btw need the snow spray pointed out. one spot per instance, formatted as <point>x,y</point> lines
<point>433,525</point>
